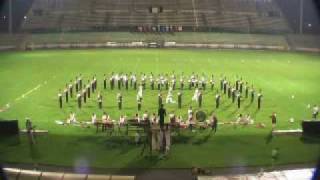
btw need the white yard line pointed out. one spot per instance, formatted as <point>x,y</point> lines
<point>29,92</point>
<point>24,95</point>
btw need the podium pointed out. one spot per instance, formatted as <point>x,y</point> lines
<point>311,128</point>
<point>9,127</point>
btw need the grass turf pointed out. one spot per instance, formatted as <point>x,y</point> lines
<point>279,74</point>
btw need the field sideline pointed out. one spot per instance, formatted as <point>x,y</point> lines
<point>30,82</point>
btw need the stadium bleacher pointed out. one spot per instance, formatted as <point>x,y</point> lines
<point>233,15</point>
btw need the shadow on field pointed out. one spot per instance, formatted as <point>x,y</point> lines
<point>226,107</point>
<point>10,140</point>
<point>310,139</point>
<point>232,114</point>
<point>255,113</point>
<point>246,107</point>
<point>269,138</point>
<point>119,154</point>
<point>202,140</point>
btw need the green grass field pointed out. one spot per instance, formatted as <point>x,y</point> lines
<point>38,75</point>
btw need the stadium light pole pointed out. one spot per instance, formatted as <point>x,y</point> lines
<point>301,17</point>
<point>10,17</point>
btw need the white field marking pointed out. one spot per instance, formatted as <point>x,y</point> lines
<point>29,92</point>
<point>4,108</point>
<point>7,106</point>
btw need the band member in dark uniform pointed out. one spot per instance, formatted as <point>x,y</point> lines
<point>241,86</point>
<point>143,82</point>
<point>229,91</point>
<point>126,82</point>
<point>167,84</point>
<point>217,100</point>
<point>273,120</point>
<point>237,84</point>
<point>95,82</point>
<point>60,99</point>
<point>71,89</point>
<point>174,84</point>
<point>181,84</point>
<point>88,90</point>
<point>259,99</point>
<point>161,113</point>
<point>111,82</point>
<point>76,82</point>
<point>203,84</point>
<point>158,85</point>
<point>84,94</point>
<point>92,86</point>
<point>246,89</point>
<point>225,83</point>
<point>238,100</point>
<point>179,100</point>
<point>200,99</point>
<point>233,93</point>
<point>131,78</point>
<point>214,125</point>
<point>66,93</point>
<point>104,81</point>
<point>212,82</point>
<point>119,83</point>
<point>79,100</point>
<point>119,98</point>
<point>139,101</point>
<point>134,84</point>
<point>152,84</point>
<point>80,81</point>
<point>100,100</point>
<point>160,99</point>
<point>221,84</point>
<point>252,94</point>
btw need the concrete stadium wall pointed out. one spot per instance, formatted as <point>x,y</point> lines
<point>152,45</point>
<point>21,174</point>
<point>155,45</point>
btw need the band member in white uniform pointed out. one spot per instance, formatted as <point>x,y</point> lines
<point>195,96</point>
<point>140,91</point>
<point>169,98</point>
